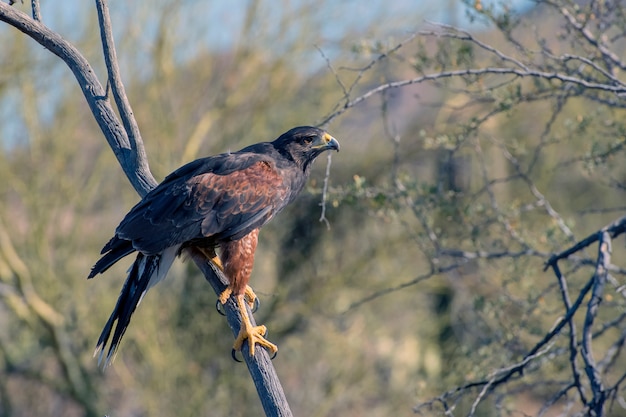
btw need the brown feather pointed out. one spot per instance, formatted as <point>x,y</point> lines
<point>238,259</point>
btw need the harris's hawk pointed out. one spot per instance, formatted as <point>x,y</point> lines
<point>215,202</point>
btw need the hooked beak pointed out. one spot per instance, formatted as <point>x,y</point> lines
<point>326,142</point>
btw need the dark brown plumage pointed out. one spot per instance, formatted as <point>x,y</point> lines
<point>218,201</point>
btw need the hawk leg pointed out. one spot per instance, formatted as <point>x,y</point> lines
<point>212,257</point>
<point>251,297</point>
<point>249,294</point>
<point>254,334</point>
<point>237,257</point>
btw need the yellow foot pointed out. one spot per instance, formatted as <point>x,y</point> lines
<point>249,294</point>
<point>254,334</point>
<point>212,257</point>
<point>225,295</point>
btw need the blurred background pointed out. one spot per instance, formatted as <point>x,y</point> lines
<point>446,200</point>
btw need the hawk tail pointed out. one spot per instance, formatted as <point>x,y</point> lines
<point>145,272</point>
<point>115,250</point>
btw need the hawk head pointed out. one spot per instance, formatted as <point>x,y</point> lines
<point>303,144</point>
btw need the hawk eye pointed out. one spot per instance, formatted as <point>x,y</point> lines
<point>307,140</point>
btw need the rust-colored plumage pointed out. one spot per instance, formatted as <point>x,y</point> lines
<point>215,202</point>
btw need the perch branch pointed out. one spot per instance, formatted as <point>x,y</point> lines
<point>260,365</point>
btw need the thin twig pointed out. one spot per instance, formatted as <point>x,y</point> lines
<point>325,192</point>
<point>530,73</point>
<point>379,58</point>
<point>609,56</point>
<point>540,197</point>
<point>36,10</point>
<point>462,35</point>
<point>496,376</point>
<point>330,67</point>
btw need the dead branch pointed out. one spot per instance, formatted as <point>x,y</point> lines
<point>599,281</point>
<point>614,229</point>
<point>135,167</point>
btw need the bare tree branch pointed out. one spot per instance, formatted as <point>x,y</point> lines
<point>495,378</point>
<point>599,281</point>
<point>260,365</point>
<point>609,56</point>
<point>135,166</point>
<point>546,75</point>
<point>614,229</point>
<point>117,87</point>
<point>573,347</point>
<point>36,10</point>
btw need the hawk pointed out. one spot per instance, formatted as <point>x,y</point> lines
<point>218,202</point>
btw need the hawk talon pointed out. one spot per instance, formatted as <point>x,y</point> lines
<point>251,299</point>
<point>275,353</point>
<point>254,307</point>
<point>218,307</point>
<point>255,335</point>
<point>233,354</point>
<point>225,295</point>
<point>255,304</point>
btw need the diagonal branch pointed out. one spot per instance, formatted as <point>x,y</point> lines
<point>133,164</point>
<point>608,55</point>
<point>260,365</point>
<point>614,229</point>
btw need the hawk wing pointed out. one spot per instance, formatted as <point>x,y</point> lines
<point>216,199</point>
<point>207,201</point>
